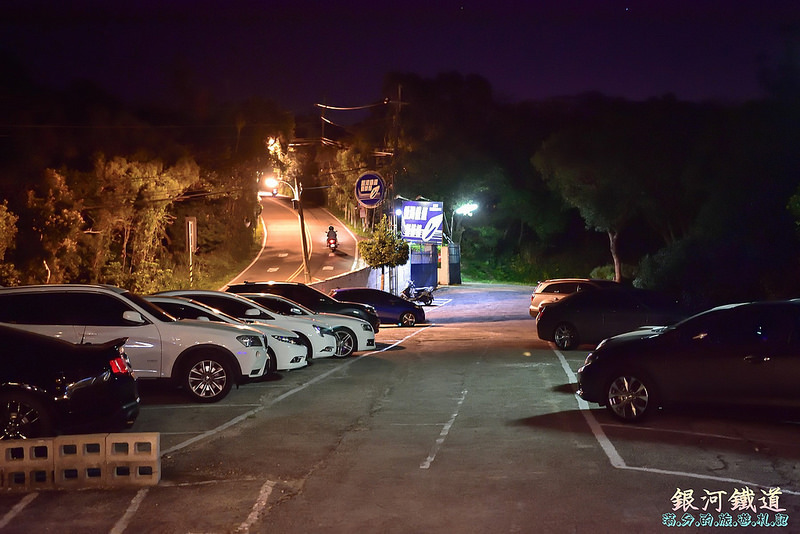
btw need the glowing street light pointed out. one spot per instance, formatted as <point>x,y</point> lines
<point>467,209</point>
<point>464,210</point>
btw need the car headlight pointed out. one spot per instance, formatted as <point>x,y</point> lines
<point>589,359</point>
<point>366,327</point>
<point>287,339</point>
<point>250,341</point>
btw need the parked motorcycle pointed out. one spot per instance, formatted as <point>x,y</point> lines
<point>421,295</point>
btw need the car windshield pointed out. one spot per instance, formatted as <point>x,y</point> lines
<point>317,296</point>
<point>150,308</point>
<point>279,304</point>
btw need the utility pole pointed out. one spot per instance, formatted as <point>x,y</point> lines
<point>298,190</point>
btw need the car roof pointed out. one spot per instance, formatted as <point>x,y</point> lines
<point>595,280</point>
<point>66,287</point>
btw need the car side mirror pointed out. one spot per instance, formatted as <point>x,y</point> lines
<point>133,317</point>
<point>252,312</point>
<point>295,311</point>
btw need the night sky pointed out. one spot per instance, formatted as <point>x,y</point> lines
<point>299,53</point>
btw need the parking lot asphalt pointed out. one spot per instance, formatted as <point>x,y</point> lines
<point>466,424</point>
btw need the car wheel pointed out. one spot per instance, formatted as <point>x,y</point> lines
<point>630,397</point>
<point>272,362</point>
<point>307,344</point>
<point>207,378</point>
<point>23,416</point>
<point>565,336</point>
<point>346,342</point>
<point>408,319</point>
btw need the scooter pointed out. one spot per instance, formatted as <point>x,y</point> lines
<point>422,295</point>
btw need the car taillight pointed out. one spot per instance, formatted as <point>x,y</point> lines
<point>120,366</point>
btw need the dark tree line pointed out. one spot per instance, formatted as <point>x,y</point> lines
<point>94,191</point>
<point>699,200</point>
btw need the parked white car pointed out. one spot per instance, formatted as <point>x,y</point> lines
<point>206,359</point>
<point>354,334</point>
<point>318,336</point>
<point>286,349</point>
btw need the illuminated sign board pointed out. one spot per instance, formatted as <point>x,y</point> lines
<point>422,222</point>
<point>370,189</point>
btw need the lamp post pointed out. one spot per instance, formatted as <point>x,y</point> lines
<point>464,210</point>
<point>297,190</point>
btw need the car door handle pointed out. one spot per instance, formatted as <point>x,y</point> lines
<point>756,359</point>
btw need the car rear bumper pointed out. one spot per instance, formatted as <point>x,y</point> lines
<point>109,407</point>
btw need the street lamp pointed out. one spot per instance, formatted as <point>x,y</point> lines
<point>297,190</point>
<point>464,210</point>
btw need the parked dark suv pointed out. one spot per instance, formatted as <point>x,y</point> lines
<point>310,298</point>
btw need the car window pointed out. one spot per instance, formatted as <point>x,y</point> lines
<point>305,295</point>
<point>232,306</point>
<point>278,306</point>
<point>561,287</point>
<point>34,308</point>
<point>743,327</point>
<point>95,309</point>
<point>183,311</point>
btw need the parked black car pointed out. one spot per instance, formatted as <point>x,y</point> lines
<point>592,316</point>
<point>390,308</point>
<point>735,355</point>
<point>310,298</point>
<point>49,386</point>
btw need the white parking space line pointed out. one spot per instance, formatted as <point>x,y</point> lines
<point>619,463</point>
<point>437,303</point>
<point>17,508</point>
<point>261,502</point>
<point>123,522</point>
<point>443,434</point>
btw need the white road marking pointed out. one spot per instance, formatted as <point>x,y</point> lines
<point>123,522</point>
<point>17,508</point>
<point>260,504</point>
<point>616,460</point>
<point>443,434</point>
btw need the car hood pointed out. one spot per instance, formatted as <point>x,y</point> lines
<point>270,329</point>
<point>337,319</point>
<point>209,326</point>
<point>300,323</point>
<point>643,332</point>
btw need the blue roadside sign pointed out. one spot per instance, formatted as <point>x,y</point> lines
<point>422,222</point>
<point>370,189</point>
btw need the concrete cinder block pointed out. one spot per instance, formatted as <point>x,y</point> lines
<point>80,461</point>
<point>27,464</point>
<point>134,459</point>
